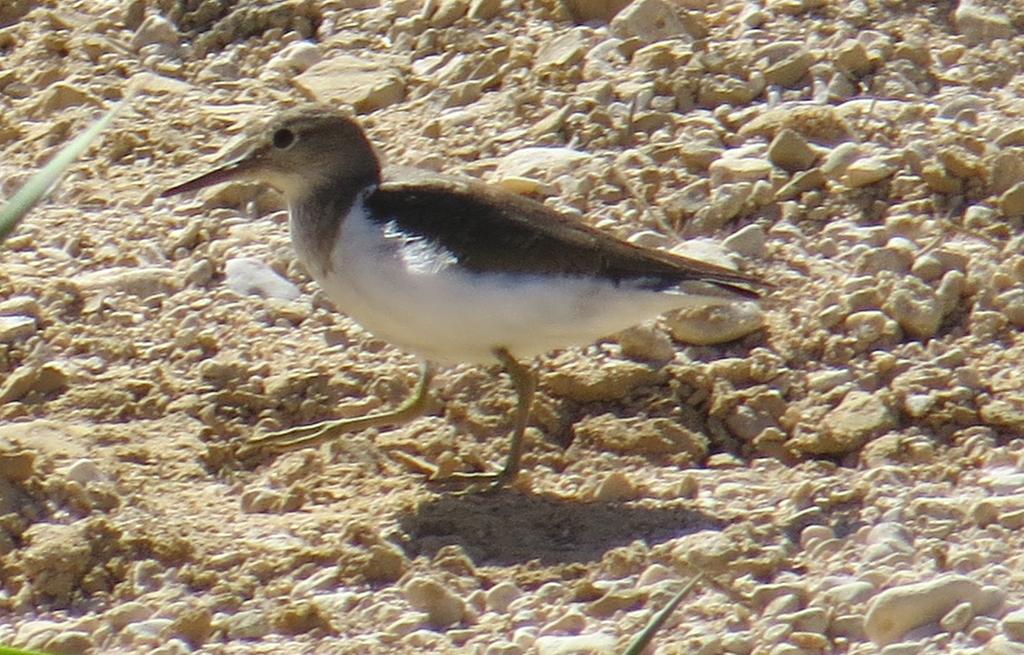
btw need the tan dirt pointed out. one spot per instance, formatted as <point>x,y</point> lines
<point>866,439</point>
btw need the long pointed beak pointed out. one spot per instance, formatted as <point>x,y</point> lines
<point>232,171</point>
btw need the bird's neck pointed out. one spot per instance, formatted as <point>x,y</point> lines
<point>316,219</point>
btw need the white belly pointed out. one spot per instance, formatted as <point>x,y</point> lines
<point>416,298</point>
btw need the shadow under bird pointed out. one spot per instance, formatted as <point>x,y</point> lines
<point>454,270</point>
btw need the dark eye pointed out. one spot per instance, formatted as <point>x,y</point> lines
<point>283,138</point>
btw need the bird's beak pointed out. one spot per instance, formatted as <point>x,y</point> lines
<point>234,171</point>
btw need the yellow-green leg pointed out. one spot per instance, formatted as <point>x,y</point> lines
<point>524,379</point>
<point>318,433</point>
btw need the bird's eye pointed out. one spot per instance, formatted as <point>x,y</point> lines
<point>283,138</point>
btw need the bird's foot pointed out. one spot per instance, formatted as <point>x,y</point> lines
<point>478,483</point>
<point>314,434</point>
<point>297,437</point>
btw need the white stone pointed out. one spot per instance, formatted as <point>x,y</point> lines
<point>928,267</point>
<point>726,203</point>
<point>441,604</point>
<point>828,379</point>
<point>564,50</point>
<point>37,632</point>
<point>503,647</point>
<point>869,326</point>
<point>248,624</point>
<point>533,162</point>
<point>447,12</point>
<point>13,328</point>
<point>155,30</point>
<point>739,169</point>
<point>860,417</point>
<point>706,250</point>
<point>366,83</point>
<point>1005,480</point>
<point>918,405</point>
<point>616,487</point>
<point>749,241</point>
<point>149,629</point>
<point>121,615</point>
<point>889,532</point>
<point>840,158</point>
<point>323,579</point>
<point>501,595</point>
<point>593,644</point>
<point>1013,625</point>
<point>525,637</point>
<point>917,309</point>
<point>21,306</point>
<point>159,84</point>
<point>979,24</point>
<point>867,171</point>
<point>484,9</point>
<point>645,343</point>
<point>649,239</point>
<point>876,260</point>
<point>251,277</point>
<point>650,21</point>
<point>957,618</point>
<point>173,646</point>
<point>896,611</point>
<point>654,574</point>
<point>84,471</point>
<point>142,282</point>
<point>1000,645</point>
<point>336,602</point>
<point>296,57</point>
<point>715,324</point>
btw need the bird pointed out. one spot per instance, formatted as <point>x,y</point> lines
<point>452,269</point>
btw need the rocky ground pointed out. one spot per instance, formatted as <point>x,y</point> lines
<point>847,471</point>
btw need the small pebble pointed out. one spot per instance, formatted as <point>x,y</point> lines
<point>898,610</point>
<point>84,471</point>
<point>570,622</point>
<point>957,618</point>
<point>749,241</point>
<point>296,57</point>
<point>980,24</point>
<point>442,605</point>
<point>715,324</point>
<point>726,170</point>
<point>850,593</point>
<point>1013,625</point>
<point>999,645</point>
<point>791,152</point>
<point>1011,202</point>
<point>594,644</point>
<point>13,328</point>
<point>501,595</point>
<point>616,487</point>
<point>155,30</point>
<point>247,276</point>
<point>645,343</point>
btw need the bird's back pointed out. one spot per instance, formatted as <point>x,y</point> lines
<point>488,230</point>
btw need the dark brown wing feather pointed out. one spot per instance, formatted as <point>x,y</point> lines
<point>491,230</point>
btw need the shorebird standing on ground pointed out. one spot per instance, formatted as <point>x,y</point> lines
<point>452,270</point>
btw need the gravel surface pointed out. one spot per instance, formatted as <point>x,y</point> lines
<point>845,466</point>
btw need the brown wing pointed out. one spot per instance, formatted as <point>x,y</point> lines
<point>491,230</point>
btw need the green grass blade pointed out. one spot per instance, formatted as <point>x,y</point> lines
<point>46,179</point>
<point>7,650</point>
<point>644,638</point>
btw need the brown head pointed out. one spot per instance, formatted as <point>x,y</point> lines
<point>298,151</point>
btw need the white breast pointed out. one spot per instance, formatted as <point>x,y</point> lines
<point>409,292</point>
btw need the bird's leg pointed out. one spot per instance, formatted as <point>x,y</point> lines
<point>317,433</point>
<point>524,379</point>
